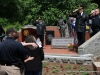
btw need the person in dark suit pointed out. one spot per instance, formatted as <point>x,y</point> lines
<point>80,24</point>
<point>35,23</point>
<point>91,17</point>
<point>1,32</point>
<point>96,22</point>
<point>41,30</point>
<point>33,67</point>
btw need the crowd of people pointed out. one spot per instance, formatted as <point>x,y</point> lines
<point>94,21</point>
<point>78,20</point>
<point>82,20</point>
<point>17,58</point>
<point>22,58</point>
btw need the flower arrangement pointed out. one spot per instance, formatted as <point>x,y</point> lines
<point>72,46</point>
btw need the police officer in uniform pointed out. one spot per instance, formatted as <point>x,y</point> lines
<point>96,22</point>
<point>80,24</point>
<point>41,30</point>
<point>91,17</point>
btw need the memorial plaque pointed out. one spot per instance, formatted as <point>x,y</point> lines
<point>28,31</point>
<point>61,42</point>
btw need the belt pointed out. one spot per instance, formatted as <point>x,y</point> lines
<point>6,64</point>
<point>2,64</point>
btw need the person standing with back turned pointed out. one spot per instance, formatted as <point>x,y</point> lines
<point>33,67</point>
<point>12,53</point>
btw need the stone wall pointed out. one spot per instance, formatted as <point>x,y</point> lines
<point>91,46</point>
<point>68,58</point>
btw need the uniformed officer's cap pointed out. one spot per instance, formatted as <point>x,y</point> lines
<point>39,18</point>
<point>80,7</point>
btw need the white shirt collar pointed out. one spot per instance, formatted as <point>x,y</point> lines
<point>81,13</point>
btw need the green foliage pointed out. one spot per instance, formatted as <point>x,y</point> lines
<point>3,21</point>
<point>85,73</point>
<point>91,7</point>
<point>15,25</point>
<point>44,64</point>
<point>81,68</point>
<point>55,71</point>
<point>27,11</point>
<point>68,67</point>
<point>51,15</point>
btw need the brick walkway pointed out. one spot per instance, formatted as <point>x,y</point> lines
<point>48,50</point>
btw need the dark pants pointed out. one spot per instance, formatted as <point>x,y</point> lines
<point>39,72</point>
<point>81,38</point>
<point>41,37</point>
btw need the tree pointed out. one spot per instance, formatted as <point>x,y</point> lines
<point>27,11</point>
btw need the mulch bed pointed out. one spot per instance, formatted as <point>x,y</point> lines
<point>51,68</point>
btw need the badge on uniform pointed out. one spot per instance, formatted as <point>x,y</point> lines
<point>99,16</point>
<point>83,16</point>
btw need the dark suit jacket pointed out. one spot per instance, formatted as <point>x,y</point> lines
<point>81,20</point>
<point>41,28</point>
<point>36,63</point>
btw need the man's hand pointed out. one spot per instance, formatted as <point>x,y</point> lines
<point>34,45</point>
<point>75,10</point>
<point>26,44</point>
<point>29,58</point>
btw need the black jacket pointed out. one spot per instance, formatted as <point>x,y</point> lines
<point>12,52</point>
<point>36,63</point>
<point>96,21</point>
<point>1,30</point>
<point>41,28</point>
<point>81,20</point>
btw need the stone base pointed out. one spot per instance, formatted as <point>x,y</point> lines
<point>96,66</point>
<point>72,59</point>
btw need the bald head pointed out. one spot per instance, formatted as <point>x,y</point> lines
<point>97,11</point>
<point>93,12</point>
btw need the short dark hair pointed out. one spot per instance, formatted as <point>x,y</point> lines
<point>9,30</point>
